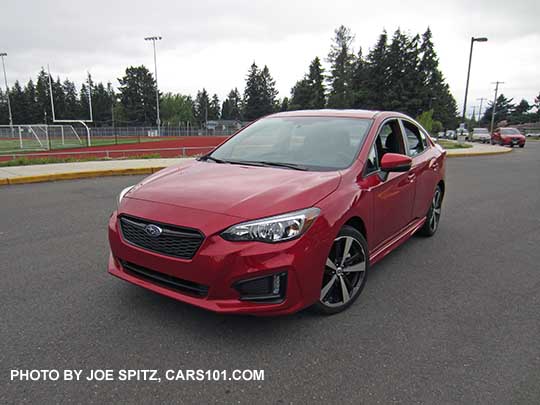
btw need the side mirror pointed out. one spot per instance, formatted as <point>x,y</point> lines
<point>395,162</point>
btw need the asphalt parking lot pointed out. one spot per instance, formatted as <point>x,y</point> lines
<point>450,319</point>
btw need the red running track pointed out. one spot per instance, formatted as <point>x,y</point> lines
<point>206,143</point>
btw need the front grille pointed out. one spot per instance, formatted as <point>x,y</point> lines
<point>173,240</point>
<point>165,280</point>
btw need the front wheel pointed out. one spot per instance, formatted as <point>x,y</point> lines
<point>522,146</point>
<point>345,272</point>
<point>434,214</point>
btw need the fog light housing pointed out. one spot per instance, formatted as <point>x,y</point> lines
<point>266,289</point>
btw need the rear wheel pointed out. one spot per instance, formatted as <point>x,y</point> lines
<point>434,214</point>
<point>345,272</point>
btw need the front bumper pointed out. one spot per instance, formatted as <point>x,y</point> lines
<point>512,142</point>
<point>219,264</point>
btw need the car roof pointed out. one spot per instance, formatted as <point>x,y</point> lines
<point>366,114</point>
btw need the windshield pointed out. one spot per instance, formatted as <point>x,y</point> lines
<point>509,131</point>
<point>481,130</point>
<point>311,143</point>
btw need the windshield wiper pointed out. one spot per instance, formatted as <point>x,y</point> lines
<point>208,157</point>
<point>293,166</point>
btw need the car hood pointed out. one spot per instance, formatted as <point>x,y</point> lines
<point>243,191</point>
<point>514,136</point>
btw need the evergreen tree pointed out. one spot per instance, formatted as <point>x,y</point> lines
<point>435,93</point>
<point>377,68</point>
<point>214,110</point>
<point>201,107</point>
<point>253,94</point>
<point>231,108</point>
<point>71,98</point>
<point>268,91</point>
<point>31,114</point>
<point>284,104</point>
<point>18,103</point>
<point>301,95</point>
<point>503,110</point>
<point>359,82</point>
<point>341,59</point>
<point>138,95</point>
<point>4,113</point>
<point>101,104</point>
<point>43,100</point>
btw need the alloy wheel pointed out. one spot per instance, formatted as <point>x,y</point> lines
<point>435,210</point>
<point>344,272</point>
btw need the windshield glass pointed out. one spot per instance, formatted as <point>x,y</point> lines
<point>509,131</point>
<point>315,143</point>
<point>481,130</point>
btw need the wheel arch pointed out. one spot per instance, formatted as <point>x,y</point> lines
<point>358,224</point>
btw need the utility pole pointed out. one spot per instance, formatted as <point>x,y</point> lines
<point>158,120</point>
<point>494,104</point>
<point>482,99</point>
<point>7,94</point>
<point>474,113</point>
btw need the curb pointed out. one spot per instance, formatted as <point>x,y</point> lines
<point>80,175</point>
<point>464,154</point>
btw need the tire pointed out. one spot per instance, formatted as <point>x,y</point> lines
<point>434,214</point>
<point>522,146</point>
<point>340,288</point>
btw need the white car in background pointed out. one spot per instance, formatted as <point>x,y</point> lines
<point>481,135</point>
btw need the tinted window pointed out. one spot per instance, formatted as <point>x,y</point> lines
<point>314,142</point>
<point>415,139</point>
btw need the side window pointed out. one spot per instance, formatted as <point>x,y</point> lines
<point>372,164</point>
<point>391,139</point>
<point>415,140</point>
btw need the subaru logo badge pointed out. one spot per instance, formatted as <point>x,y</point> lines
<point>153,230</point>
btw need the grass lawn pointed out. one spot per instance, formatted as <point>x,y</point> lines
<point>453,145</point>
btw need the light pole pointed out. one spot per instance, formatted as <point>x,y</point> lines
<point>2,54</point>
<point>473,40</point>
<point>158,120</point>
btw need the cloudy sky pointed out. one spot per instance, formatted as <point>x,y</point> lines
<point>212,43</point>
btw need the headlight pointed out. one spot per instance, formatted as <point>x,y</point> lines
<point>273,229</point>
<point>123,193</point>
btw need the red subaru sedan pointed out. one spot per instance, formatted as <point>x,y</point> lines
<point>289,213</point>
<point>507,136</point>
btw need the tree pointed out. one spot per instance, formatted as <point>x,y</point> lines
<point>43,100</point>
<point>376,71</point>
<point>201,107</point>
<point>231,109</point>
<point>138,95</point>
<point>214,110</point>
<point>284,104</point>
<point>18,103</point>
<point>309,93</point>
<point>435,93</point>
<point>268,91</point>
<point>359,82</point>
<point>253,94</point>
<point>71,97</point>
<point>503,110</point>
<point>341,59</point>
<point>176,109</point>
<point>102,102</point>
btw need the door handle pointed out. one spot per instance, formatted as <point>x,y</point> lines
<point>411,177</point>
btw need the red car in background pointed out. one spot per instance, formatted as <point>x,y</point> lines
<point>508,137</point>
<point>290,212</point>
